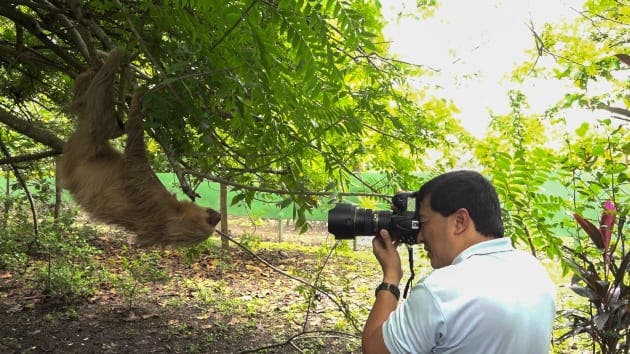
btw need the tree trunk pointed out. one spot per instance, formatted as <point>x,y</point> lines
<point>57,192</point>
<point>7,201</point>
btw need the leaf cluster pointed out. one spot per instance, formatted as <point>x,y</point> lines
<point>601,276</point>
<point>523,170</point>
<point>590,53</point>
<point>600,263</point>
<point>293,95</point>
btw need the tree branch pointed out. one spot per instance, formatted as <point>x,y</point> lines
<point>177,169</point>
<point>303,335</point>
<point>22,182</point>
<point>299,280</point>
<point>74,33</point>
<point>29,157</point>
<point>281,191</point>
<point>88,25</point>
<point>311,298</point>
<point>617,110</point>
<point>542,49</point>
<point>28,55</point>
<point>34,28</point>
<point>34,132</point>
<point>240,19</point>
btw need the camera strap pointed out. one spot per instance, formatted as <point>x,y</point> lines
<point>412,273</point>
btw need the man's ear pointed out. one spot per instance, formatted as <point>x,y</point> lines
<point>462,220</point>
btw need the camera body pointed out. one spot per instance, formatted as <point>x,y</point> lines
<point>346,221</point>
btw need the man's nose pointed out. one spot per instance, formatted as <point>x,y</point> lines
<point>419,237</point>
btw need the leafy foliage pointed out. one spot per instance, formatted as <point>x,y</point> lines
<point>522,170</point>
<point>296,96</point>
<point>587,52</point>
<point>289,95</point>
<point>600,261</point>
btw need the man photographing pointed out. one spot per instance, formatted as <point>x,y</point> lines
<point>483,295</point>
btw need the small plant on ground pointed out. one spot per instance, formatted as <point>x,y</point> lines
<point>67,269</point>
<point>139,269</point>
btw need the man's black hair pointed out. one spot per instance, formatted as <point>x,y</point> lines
<point>465,189</point>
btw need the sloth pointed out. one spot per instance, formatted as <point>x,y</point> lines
<point>121,188</point>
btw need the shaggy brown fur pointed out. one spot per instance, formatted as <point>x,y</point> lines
<point>117,188</point>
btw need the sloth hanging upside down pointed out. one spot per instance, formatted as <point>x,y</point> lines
<point>117,188</point>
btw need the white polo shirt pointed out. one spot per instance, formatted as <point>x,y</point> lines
<point>493,299</point>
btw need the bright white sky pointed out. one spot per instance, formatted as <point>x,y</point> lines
<point>475,44</point>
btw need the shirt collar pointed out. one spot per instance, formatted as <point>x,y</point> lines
<point>503,244</point>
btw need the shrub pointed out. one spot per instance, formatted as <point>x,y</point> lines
<point>601,275</point>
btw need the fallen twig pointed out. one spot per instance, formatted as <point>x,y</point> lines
<point>303,335</point>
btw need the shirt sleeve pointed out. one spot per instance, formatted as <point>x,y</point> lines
<point>417,325</point>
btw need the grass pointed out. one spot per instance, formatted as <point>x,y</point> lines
<point>362,264</point>
<point>231,295</point>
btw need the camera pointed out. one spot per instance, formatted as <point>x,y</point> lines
<point>345,220</point>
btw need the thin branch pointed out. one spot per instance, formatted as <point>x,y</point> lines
<point>339,161</point>
<point>139,73</point>
<point>168,81</point>
<point>304,335</point>
<point>22,181</point>
<point>420,66</point>
<point>141,41</point>
<point>595,25</point>
<point>34,27</point>
<point>281,191</point>
<point>74,33</point>
<point>299,280</point>
<point>539,47</point>
<point>29,157</point>
<point>227,33</point>
<point>256,170</point>
<point>542,49</point>
<point>311,298</point>
<point>602,17</point>
<point>312,286</point>
<point>27,55</point>
<point>19,38</point>
<point>621,118</point>
<point>76,9</point>
<point>34,5</point>
<point>177,169</point>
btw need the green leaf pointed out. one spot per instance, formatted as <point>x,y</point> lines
<point>238,198</point>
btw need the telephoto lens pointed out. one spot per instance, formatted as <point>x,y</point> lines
<point>346,221</point>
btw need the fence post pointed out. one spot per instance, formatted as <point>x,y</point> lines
<point>280,224</point>
<point>225,243</point>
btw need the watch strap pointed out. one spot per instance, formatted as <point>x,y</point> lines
<point>389,287</point>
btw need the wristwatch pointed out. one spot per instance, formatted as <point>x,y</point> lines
<point>389,287</point>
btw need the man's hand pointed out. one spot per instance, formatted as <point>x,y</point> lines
<point>385,251</point>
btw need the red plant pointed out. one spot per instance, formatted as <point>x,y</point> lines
<point>600,237</point>
<point>603,283</point>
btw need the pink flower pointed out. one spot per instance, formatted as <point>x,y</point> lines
<point>606,223</point>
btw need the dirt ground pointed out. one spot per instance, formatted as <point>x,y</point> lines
<point>228,303</point>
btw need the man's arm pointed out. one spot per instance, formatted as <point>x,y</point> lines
<point>372,340</point>
<point>387,255</point>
